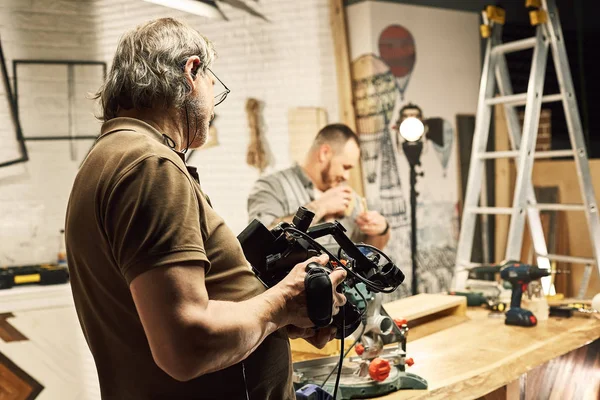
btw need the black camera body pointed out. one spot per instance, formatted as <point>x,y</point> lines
<point>274,253</point>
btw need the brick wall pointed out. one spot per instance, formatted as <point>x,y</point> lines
<point>33,195</point>
<point>288,62</point>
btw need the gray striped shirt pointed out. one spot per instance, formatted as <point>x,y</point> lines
<point>281,194</point>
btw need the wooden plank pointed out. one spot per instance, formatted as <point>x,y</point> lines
<point>15,384</point>
<point>344,79</point>
<point>504,181</point>
<point>303,125</point>
<point>426,313</point>
<point>477,357</point>
<point>9,333</point>
<point>436,325</point>
<point>424,304</point>
<point>564,175</point>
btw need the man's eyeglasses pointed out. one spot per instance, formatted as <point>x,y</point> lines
<point>223,94</point>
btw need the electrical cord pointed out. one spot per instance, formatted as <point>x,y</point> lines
<point>344,356</point>
<point>337,380</point>
<point>371,285</point>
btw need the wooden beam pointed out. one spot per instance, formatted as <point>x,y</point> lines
<point>504,180</point>
<point>344,79</point>
<point>9,333</point>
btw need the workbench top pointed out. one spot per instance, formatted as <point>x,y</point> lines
<point>483,354</point>
<point>35,297</point>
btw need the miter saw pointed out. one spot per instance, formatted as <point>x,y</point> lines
<point>379,366</point>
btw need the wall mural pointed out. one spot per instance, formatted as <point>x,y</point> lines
<point>397,49</point>
<point>380,84</point>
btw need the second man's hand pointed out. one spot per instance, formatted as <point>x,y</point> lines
<point>371,223</point>
<point>332,202</point>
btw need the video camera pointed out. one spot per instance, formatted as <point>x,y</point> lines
<point>274,253</point>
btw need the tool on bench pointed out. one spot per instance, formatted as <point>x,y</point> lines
<point>495,78</point>
<point>32,274</point>
<point>377,369</point>
<point>312,392</point>
<point>478,299</point>
<point>519,276</point>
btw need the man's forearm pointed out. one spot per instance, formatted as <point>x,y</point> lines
<point>231,331</point>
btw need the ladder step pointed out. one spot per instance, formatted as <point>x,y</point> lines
<point>490,210</point>
<point>521,99</point>
<point>559,207</point>
<point>517,45</point>
<point>488,155</point>
<point>554,153</point>
<point>550,98</point>
<point>498,154</point>
<point>514,99</point>
<point>569,259</point>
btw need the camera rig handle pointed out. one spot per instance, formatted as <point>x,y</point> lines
<point>319,300</point>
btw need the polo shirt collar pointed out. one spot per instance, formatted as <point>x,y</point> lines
<point>136,125</point>
<point>304,179</point>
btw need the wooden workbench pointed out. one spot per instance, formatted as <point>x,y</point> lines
<point>481,355</point>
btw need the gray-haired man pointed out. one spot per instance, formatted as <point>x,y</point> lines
<point>166,300</point>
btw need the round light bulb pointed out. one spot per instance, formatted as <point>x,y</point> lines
<point>412,129</point>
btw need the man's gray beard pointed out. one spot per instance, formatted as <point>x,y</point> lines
<point>195,123</point>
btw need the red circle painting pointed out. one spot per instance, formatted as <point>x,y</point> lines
<point>397,48</point>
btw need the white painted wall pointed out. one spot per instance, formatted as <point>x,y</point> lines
<point>33,196</point>
<point>444,83</point>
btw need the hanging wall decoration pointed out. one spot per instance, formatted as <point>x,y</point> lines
<point>257,155</point>
<point>375,91</point>
<point>397,48</point>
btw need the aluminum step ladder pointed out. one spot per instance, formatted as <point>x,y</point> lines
<point>495,73</point>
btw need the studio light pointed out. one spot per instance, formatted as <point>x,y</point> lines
<point>412,129</point>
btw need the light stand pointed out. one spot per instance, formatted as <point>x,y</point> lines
<point>412,130</point>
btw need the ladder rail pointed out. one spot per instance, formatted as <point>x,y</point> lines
<point>474,179</point>
<point>563,72</point>
<point>533,214</point>
<point>526,148</point>
<point>548,39</point>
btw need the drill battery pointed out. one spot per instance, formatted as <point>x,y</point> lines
<point>32,275</point>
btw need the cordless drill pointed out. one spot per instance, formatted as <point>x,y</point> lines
<point>519,276</point>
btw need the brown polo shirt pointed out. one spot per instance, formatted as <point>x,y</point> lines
<point>135,206</point>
